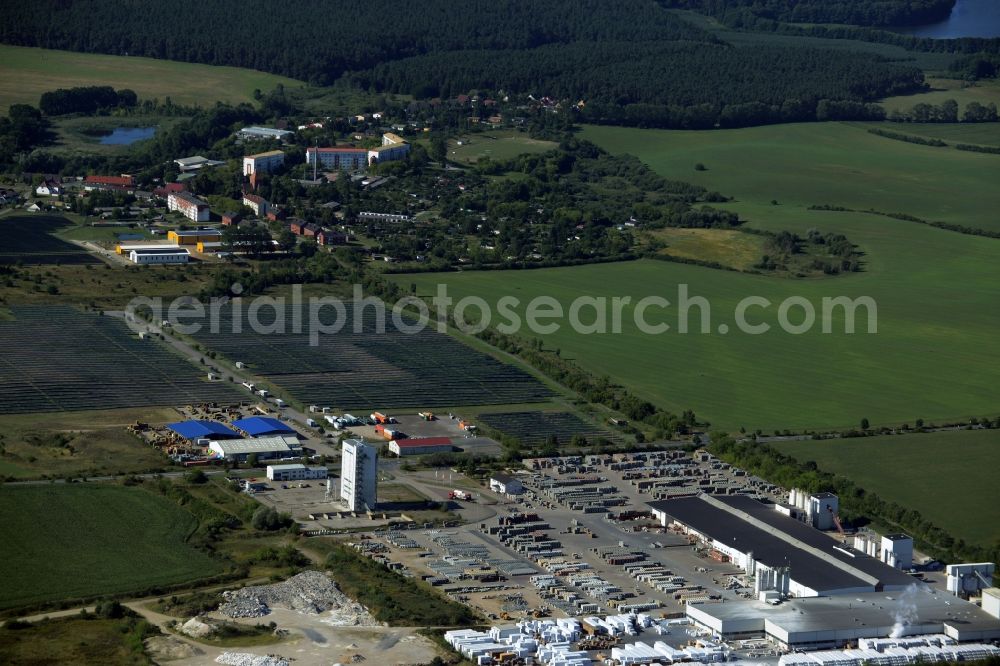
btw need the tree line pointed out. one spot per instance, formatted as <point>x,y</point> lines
<point>630,62</point>
<point>88,99</point>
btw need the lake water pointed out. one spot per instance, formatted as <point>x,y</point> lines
<point>123,136</point>
<point>969,18</point>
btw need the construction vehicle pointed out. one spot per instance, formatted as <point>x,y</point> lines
<point>462,495</point>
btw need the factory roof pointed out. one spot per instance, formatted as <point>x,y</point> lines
<point>897,537</point>
<point>865,614</point>
<point>278,444</point>
<point>168,249</point>
<point>423,441</point>
<point>256,426</point>
<point>815,560</point>
<point>198,429</point>
<point>502,477</point>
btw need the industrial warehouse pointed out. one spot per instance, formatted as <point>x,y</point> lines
<point>786,556</point>
<point>835,621</point>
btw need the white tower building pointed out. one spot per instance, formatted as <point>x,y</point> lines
<point>358,475</point>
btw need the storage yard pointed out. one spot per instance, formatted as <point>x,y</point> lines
<point>352,370</point>
<point>586,550</point>
<point>61,358</point>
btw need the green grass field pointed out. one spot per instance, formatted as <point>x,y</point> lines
<point>962,92</point>
<point>498,145</point>
<point>73,540</point>
<point>939,474</point>
<point>734,249</point>
<point>822,163</point>
<point>934,356</point>
<point>25,73</point>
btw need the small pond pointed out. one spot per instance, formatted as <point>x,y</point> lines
<point>123,136</point>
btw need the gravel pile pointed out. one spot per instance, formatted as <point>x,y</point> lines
<point>308,592</point>
<point>248,659</point>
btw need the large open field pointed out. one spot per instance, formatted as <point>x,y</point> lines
<point>822,163</point>
<point>25,73</point>
<point>497,145</point>
<point>949,477</point>
<point>72,540</point>
<point>94,443</point>
<point>934,355</point>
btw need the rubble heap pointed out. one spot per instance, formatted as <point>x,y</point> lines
<point>308,592</point>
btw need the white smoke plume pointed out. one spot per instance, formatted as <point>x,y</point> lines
<point>905,613</point>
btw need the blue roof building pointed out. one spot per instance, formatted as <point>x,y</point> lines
<point>259,426</point>
<point>203,429</point>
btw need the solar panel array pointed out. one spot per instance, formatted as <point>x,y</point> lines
<point>370,367</point>
<point>60,358</point>
<point>534,428</point>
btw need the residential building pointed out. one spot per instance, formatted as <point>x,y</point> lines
<point>263,162</point>
<point>295,472</point>
<point>189,206</point>
<point>393,148</point>
<point>328,237</point>
<point>125,183</point>
<point>263,133</point>
<point>168,189</point>
<point>344,158</point>
<point>49,188</point>
<point>230,218</point>
<point>257,204</point>
<point>505,484</point>
<point>358,475</point>
<point>164,255</point>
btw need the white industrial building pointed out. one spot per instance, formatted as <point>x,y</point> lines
<point>263,162</point>
<point>295,472</point>
<point>358,475</point>
<point>162,255</point>
<point>281,446</point>
<point>784,555</point>
<point>189,206</point>
<point>505,484</point>
<point>967,580</point>
<point>835,621</point>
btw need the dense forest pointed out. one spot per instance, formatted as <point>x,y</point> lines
<point>630,59</point>
<point>853,12</point>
